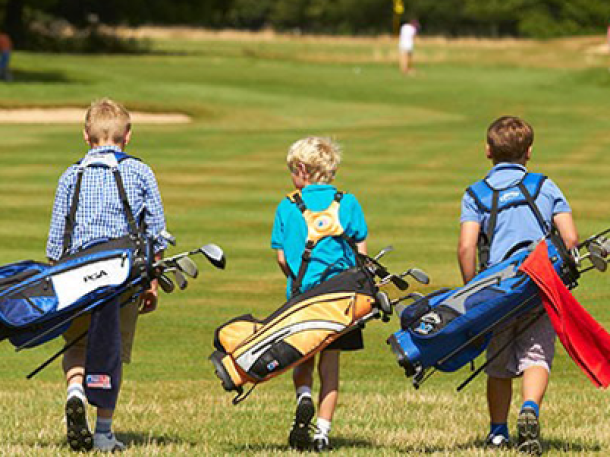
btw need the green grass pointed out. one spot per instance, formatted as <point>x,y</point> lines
<point>411,147</point>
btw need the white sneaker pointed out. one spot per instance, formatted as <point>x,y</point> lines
<point>107,443</point>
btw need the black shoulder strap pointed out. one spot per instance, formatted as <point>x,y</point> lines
<point>71,217</point>
<point>550,231</point>
<point>485,239</point>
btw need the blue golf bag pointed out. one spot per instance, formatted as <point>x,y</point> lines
<point>38,301</point>
<point>449,328</point>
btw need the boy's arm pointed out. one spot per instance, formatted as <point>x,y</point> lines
<point>467,249</point>
<point>149,298</point>
<point>567,229</point>
<point>281,261</point>
<point>361,247</point>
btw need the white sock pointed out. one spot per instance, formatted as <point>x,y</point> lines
<point>303,391</point>
<point>322,428</point>
<point>76,390</point>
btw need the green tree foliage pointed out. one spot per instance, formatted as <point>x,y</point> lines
<point>527,18</point>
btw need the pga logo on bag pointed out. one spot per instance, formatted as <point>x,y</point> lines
<point>99,381</point>
<point>95,276</point>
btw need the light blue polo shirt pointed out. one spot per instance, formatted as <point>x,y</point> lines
<point>518,223</point>
<point>331,255</point>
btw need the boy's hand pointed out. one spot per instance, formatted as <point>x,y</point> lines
<point>148,299</point>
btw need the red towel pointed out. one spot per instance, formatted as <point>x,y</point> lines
<point>585,340</point>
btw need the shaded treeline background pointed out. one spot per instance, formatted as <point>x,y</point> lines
<point>520,18</point>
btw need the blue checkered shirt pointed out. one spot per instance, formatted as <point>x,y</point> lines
<point>100,212</point>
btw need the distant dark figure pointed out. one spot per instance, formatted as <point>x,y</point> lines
<point>406,44</point>
<point>6,47</point>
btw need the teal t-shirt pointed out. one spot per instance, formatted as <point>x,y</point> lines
<point>331,255</point>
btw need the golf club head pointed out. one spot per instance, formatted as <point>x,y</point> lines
<point>399,282</point>
<point>171,239</point>
<point>599,247</point>
<point>166,284</point>
<point>419,275</point>
<point>180,279</point>
<point>187,266</point>
<point>214,254</point>
<point>383,252</point>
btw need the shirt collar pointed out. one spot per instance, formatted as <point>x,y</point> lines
<point>317,187</point>
<point>506,166</point>
<point>104,149</point>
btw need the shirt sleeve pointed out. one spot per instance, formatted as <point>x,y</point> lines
<point>277,234</point>
<point>58,218</point>
<point>357,228</point>
<point>559,202</point>
<point>470,210</point>
<point>154,216</point>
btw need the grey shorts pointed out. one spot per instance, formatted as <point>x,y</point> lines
<point>534,347</point>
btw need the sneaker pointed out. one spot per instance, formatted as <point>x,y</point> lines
<point>299,437</point>
<point>496,441</point>
<point>79,435</point>
<point>321,444</point>
<point>107,443</point>
<point>528,430</point>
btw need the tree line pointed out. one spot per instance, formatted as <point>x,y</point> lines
<point>486,18</point>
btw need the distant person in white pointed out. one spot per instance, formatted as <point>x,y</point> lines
<point>406,44</point>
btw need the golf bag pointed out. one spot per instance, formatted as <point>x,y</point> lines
<point>449,328</point>
<point>249,350</point>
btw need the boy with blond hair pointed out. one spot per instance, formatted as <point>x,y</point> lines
<point>101,215</point>
<point>521,348</point>
<point>313,163</point>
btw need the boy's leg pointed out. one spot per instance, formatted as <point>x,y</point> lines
<point>537,353</point>
<point>535,383</point>
<point>302,377</point>
<point>78,433</point>
<point>328,369</point>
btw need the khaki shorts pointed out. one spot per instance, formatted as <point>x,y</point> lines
<point>534,347</point>
<point>128,317</point>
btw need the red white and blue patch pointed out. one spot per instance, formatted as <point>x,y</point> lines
<point>98,381</point>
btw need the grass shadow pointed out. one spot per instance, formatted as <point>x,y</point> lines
<point>338,444</point>
<point>26,76</point>
<point>566,446</point>
<point>133,439</point>
<point>547,445</point>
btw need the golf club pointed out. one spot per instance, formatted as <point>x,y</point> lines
<point>180,279</point>
<point>166,284</point>
<point>187,266</point>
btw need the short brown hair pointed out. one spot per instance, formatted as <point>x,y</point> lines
<point>107,121</point>
<point>509,138</point>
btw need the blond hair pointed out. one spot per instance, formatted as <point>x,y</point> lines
<point>320,156</point>
<point>107,122</point>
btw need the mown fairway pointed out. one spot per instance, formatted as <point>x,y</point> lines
<point>411,147</point>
